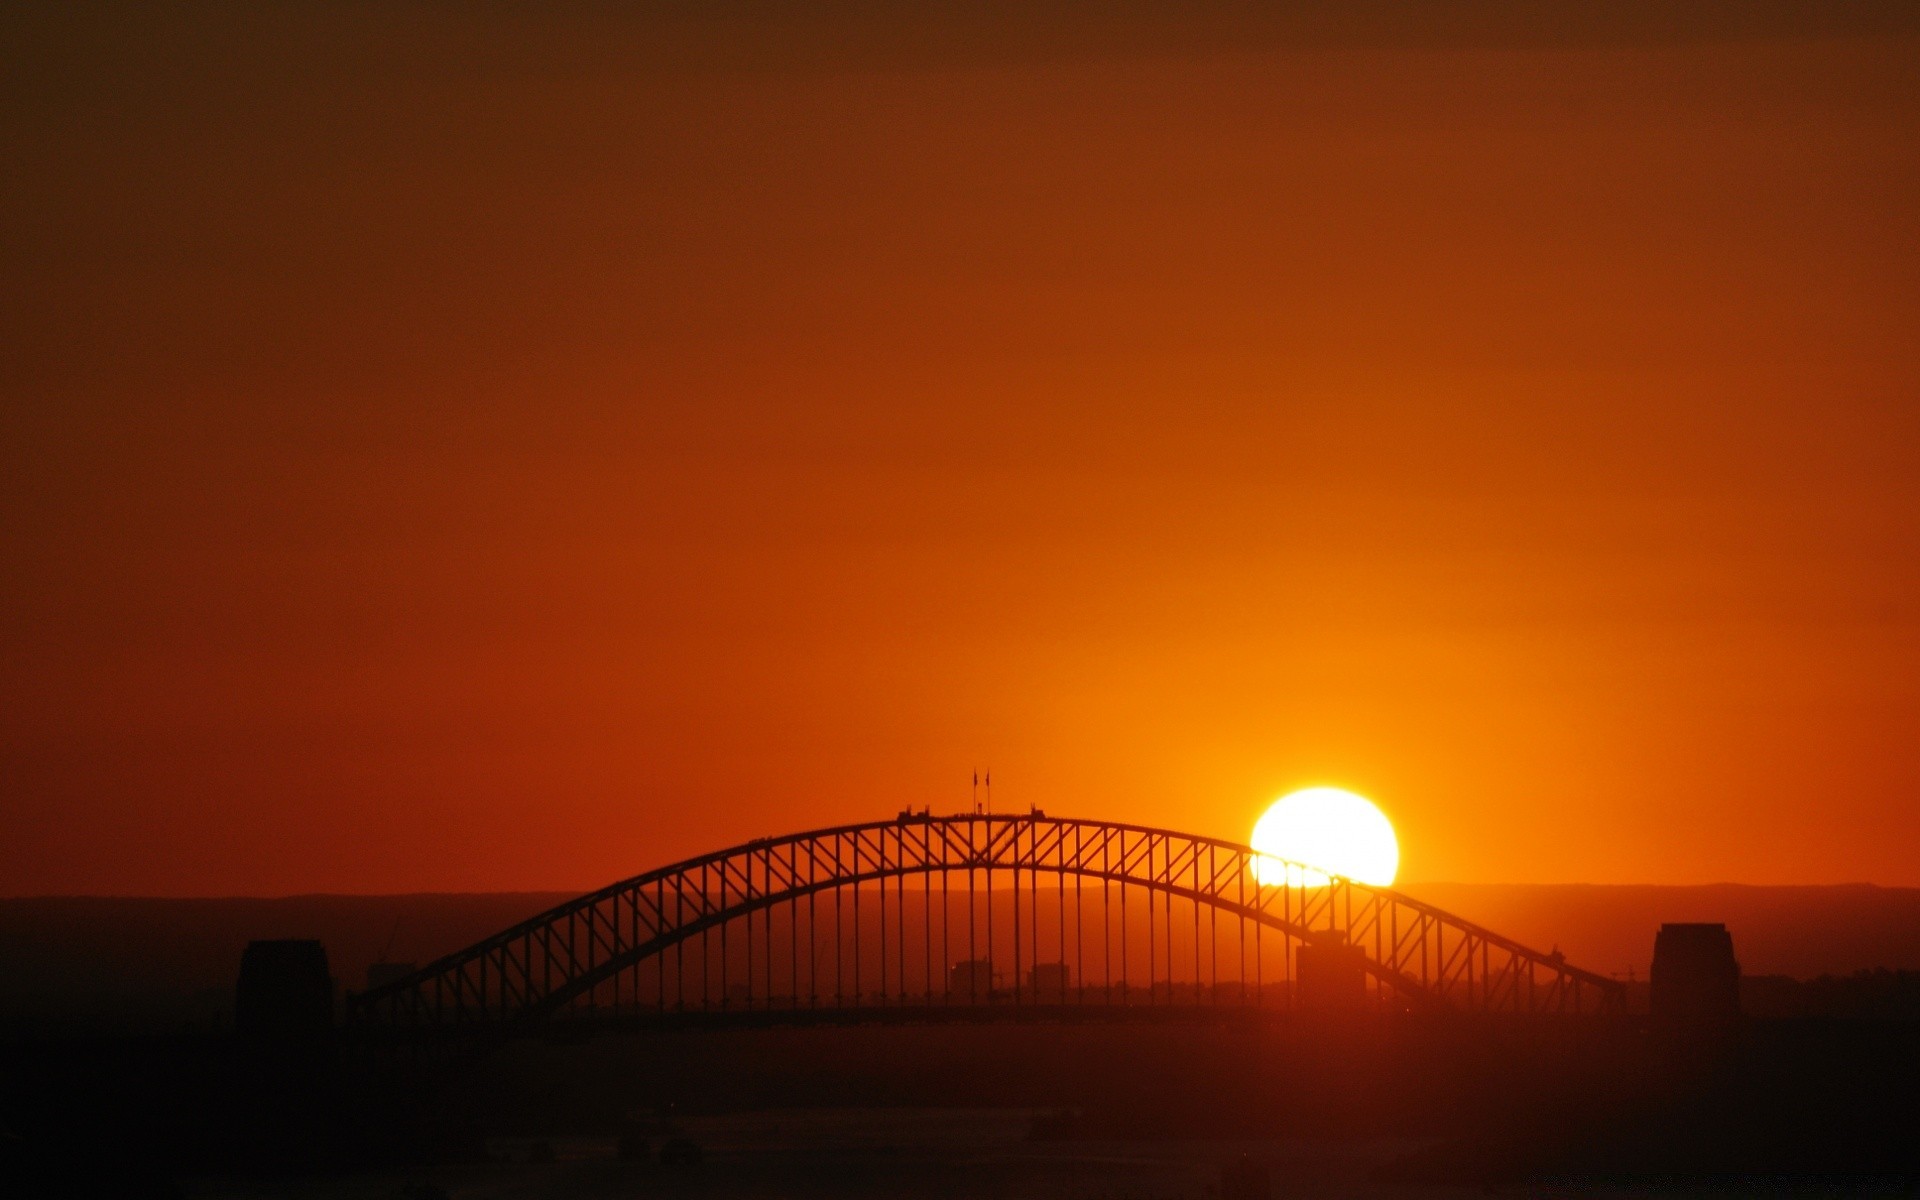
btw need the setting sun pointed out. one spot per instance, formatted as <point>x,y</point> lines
<point>1325,831</point>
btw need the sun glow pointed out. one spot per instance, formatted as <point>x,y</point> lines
<point>1324,831</point>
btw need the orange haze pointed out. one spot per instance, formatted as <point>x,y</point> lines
<point>449,449</point>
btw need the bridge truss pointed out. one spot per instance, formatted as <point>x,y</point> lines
<point>981,910</point>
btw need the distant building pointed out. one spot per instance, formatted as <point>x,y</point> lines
<point>1332,974</point>
<point>1050,981</point>
<point>381,974</point>
<point>971,979</point>
<point>1695,978</point>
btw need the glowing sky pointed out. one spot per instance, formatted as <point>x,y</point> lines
<point>482,451</point>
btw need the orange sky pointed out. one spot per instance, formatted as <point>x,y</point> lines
<point>446,451</point>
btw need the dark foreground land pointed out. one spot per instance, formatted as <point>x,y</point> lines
<point>1130,1108</point>
<point>931,1153</point>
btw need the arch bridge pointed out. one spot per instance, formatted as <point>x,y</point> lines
<point>1003,913</point>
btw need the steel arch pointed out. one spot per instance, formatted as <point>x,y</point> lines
<point>562,957</point>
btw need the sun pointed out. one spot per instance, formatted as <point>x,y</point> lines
<point>1325,831</point>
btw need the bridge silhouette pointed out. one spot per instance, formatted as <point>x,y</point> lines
<point>990,916</point>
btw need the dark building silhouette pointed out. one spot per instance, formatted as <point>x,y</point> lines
<point>1050,981</point>
<point>1695,979</point>
<point>1332,973</point>
<point>971,979</point>
<point>285,991</point>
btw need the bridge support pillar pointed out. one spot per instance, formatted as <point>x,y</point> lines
<point>1695,981</point>
<point>284,1015</point>
<point>285,993</point>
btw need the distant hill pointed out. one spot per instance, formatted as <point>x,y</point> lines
<point>94,962</point>
<point>1799,931</point>
<point>87,963</point>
